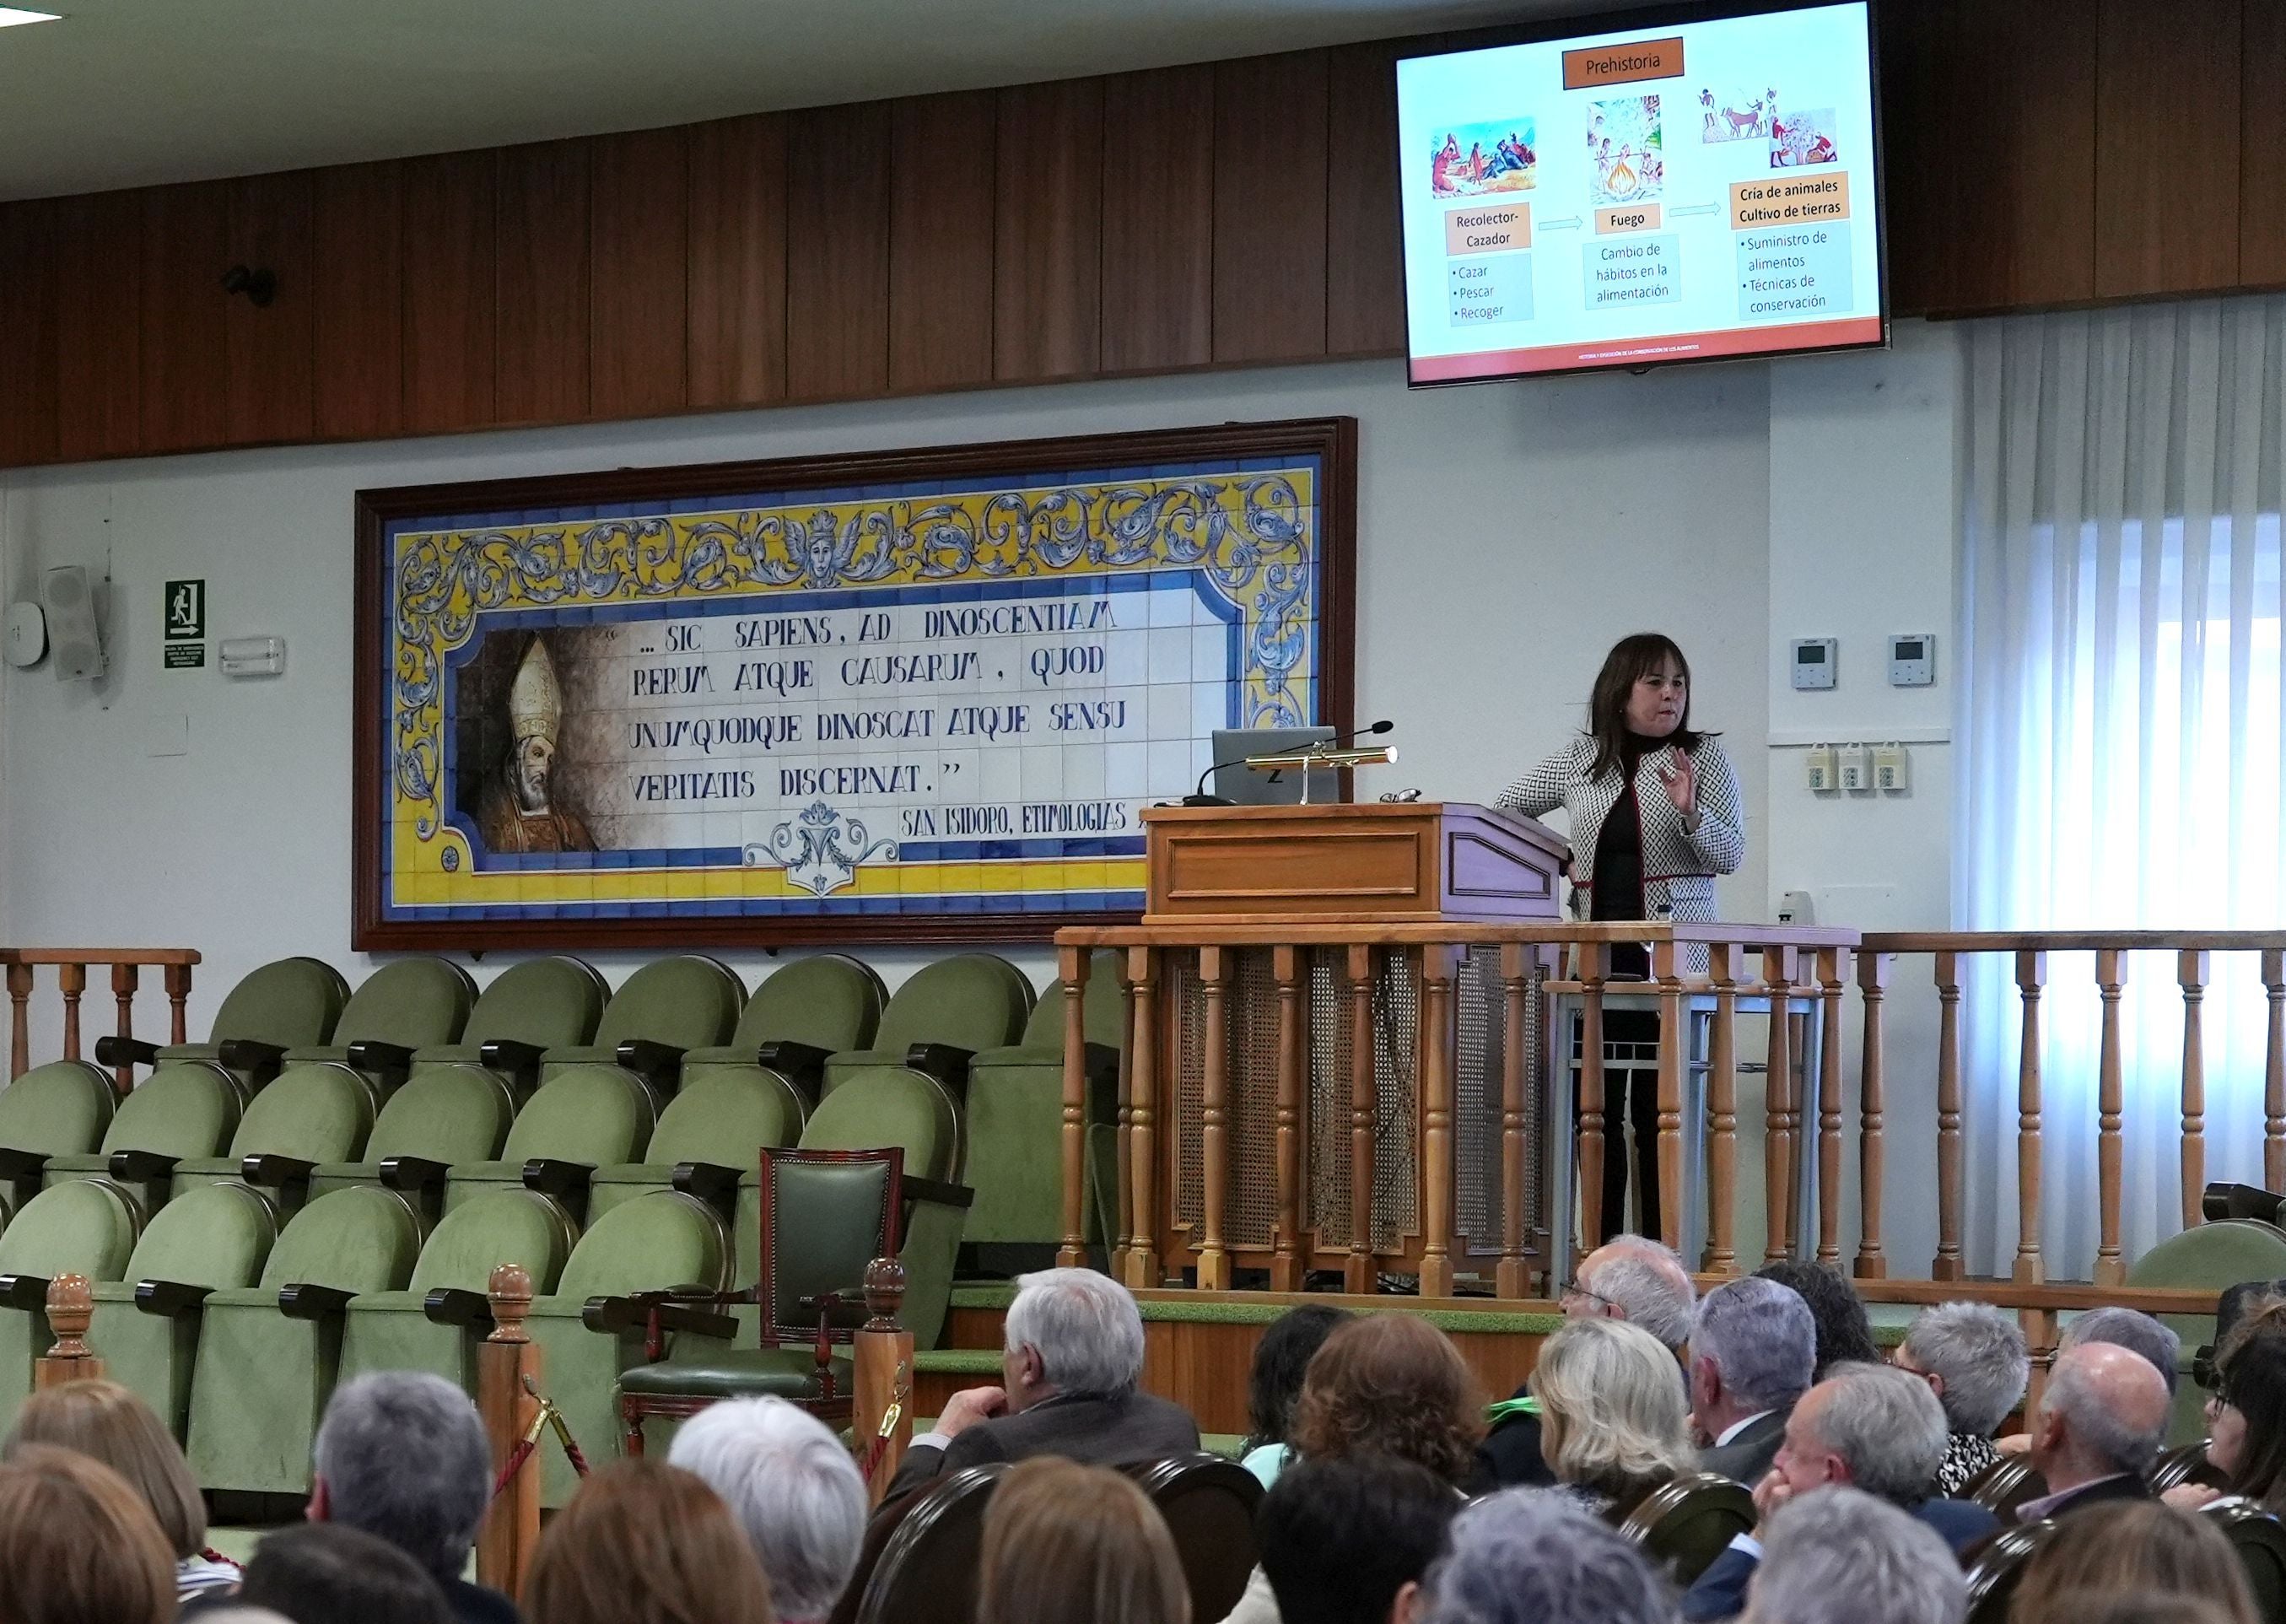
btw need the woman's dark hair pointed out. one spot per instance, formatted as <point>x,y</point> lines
<point>327,1574</point>
<point>1630,660</point>
<point>1844,1334</point>
<point>1341,1538</point>
<point>2251,1379</point>
<point>1280,1359</point>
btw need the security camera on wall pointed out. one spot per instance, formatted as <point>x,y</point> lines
<point>72,635</point>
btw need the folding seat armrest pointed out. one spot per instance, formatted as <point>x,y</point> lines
<point>559,1178</point>
<point>940,1194</point>
<point>28,1292</point>
<point>171,1298</point>
<point>413,1175</point>
<point>656,1064</point>
<point>690,1308</point>
<point>16,1165</point>
<point>946,1062</point>
<point>307,1300</point>
<point>844,1309</point>
<point>803,1065</point>
<point>258,1061</point>
<point>391,1063</point>
<point>517,1062</point>
<point>715,1185</point>
<point>269,1170</point>
<point>451,1305</point>
<point>113,1052</point>
<point>141,1166</point>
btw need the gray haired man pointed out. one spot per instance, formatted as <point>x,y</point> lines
<point>1526,1555</point>
<point>1071,1358</point>
<point>402,1456</point>
<point>2098,1429</point>
<point>794,1489</point>
<point>1838,1556</point>
<point>1754,1349</point>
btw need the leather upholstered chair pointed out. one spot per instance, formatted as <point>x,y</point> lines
<point>87,1227</point>
<point>1209,1504</point>
<point>926,1568</point>
<point>62,1108</point>
<point>2009,1482</point>
<point>2187,1463</point>
<point>268,1353</point>
<point>943,1015</point>
<point>1685,1523</point>
<point>1992,1578</point>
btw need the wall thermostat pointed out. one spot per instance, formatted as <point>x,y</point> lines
<point>1814,660</point>
<point>1912,660</point>
<point>27,634</point>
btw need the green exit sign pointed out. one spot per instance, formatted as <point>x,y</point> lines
<point>186,609</point>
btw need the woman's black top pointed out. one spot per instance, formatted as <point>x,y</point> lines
<point>1618,889</point>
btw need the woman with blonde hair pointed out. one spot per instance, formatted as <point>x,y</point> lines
<point>644,1542</point>
<point>108,1422</point>
<point>77,1544</point>
<point>1070,1544</point>
<point>2132,1545</point>
<point>1613,1424</point>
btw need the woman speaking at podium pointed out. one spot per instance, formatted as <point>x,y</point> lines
<point>1654,812</point>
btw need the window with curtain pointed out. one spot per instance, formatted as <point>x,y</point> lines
<point>2120,732</point>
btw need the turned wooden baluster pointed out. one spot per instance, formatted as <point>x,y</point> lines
<point>20,1031</point>
<point>1140,1197</point>
<point>1595,965</point>
<point>2031,977</point>
<point>1829,1108</point>
<point>1214,1151</point>
<point>1074,966</point>
<point>178,979</point>
<point>1286,969</point>
<point>2274,1072</point>
<point>123,980</point>
<point>1675,1199</point>
<point>1510,1279</point>
<point>71,980</point>
<point>1947,1263</point>
<point>1778,1108</point>
<point>1358,1271</point>
<point>1725,967</point>
<point>1872,989</point>
<point>2110,1103</point>
<point>1438,1224</point>
<point>2191,974</point>
<point>507,1372</point>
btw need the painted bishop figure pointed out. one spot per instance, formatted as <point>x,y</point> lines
<point>517,815</point>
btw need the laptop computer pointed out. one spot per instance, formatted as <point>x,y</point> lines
<point>1246,787</point>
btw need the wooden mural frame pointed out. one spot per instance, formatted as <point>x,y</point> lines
<point>1214,511</point>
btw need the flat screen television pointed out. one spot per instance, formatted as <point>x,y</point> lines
<point>1693,185</point>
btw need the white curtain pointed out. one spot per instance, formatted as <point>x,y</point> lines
<point>2119,735</point>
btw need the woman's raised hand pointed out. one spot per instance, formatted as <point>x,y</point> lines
<point>1681,780</point>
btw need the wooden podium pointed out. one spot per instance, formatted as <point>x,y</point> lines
<point>1380,862</point>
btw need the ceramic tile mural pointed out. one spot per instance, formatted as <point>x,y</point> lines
<point>907,700</point>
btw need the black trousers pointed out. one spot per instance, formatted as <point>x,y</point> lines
<point>1630,1103</point>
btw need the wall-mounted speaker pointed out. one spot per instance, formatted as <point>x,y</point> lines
<point>72,631</point>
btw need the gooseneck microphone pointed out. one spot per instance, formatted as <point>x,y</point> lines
<point>1200,798</point>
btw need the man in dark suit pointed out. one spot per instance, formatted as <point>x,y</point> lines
<point>1754,1346</point>
<point>2097,1430</point>
<point>1072,1355</point>
<point>1870,1427</point>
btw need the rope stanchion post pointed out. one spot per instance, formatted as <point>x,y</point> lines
<point>508,1368</point>
<point>71,1310</point>
<point>881,1421</point>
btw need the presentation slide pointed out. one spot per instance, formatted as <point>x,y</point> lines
<point>1658,194</point>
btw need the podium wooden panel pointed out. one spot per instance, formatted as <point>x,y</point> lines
<point>1377,863</point>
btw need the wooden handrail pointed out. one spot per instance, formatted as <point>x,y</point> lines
<point>99,956</point>
<point>1457,934</point>
<point>2074,941</point>
<point>126,965</point>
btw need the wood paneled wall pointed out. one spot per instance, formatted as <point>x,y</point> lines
<point>2040,153</point>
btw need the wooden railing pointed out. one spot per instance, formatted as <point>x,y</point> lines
<point>126,966</point>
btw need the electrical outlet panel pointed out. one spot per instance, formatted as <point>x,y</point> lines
<point>1819,770</point>
<point>1856,768</point>
<point>1892,767</point>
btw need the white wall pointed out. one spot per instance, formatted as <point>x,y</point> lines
<point>1507,535</point>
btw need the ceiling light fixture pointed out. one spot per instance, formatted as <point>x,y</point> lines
<point>13,16</point>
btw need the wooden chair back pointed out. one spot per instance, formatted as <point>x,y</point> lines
<point>2259,1538</point>
<point>926,1570</point>
<point>1209,1503</point>
<point>2188,1464</point>
<point>1685,1523</point>
<point>2001,1488</point>
<point>1999,1568</point>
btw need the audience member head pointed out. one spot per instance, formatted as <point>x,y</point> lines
<point>1754,1347</point>
<point>2246,1413</point>
<point>1636,1279</point>
<point>77,1544</point>
<point>327,1574</point>
<point>1971,1355</point>
<point>2142,1607</point>
<point>644,1542</point>
<point>1839,1555</point>
<point>107,1423</point>
<point>1070,1544</point>
<point>793,1486</point>
<point>1529,1556</point>
<point>1348,1541</point>
<point>2127,1545</point>
<point>1873,1427</point>
<point>1395,1383</point>
<point>1280,1360</point>
<point>1070,1331</point>
<point>1845,1336</point>
<point>2127,1327</point>
<point>2103,1413</point>
<point>1611,1414</point>
<point>402,1455</point>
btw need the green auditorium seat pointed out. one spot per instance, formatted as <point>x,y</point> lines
<point>798,1018</point>
<point>63,1109</point>
<point>147,1322</point>
<point>268,1353</point>
<point>528,1008</point>
<point>447,1114</point>
<point>659,1240</point>
<point>1015,1115</point>
<point>184,1108</point>
<point>583,1117</point>
<point>398,1011</point>
<point>316,1112</point>
<point>287,1004</point>
<point>2207,1257</point>
<point>434,1322</point>
<point>87,1227</point>
<point>942,1017</point>
<point>659,1014</point>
